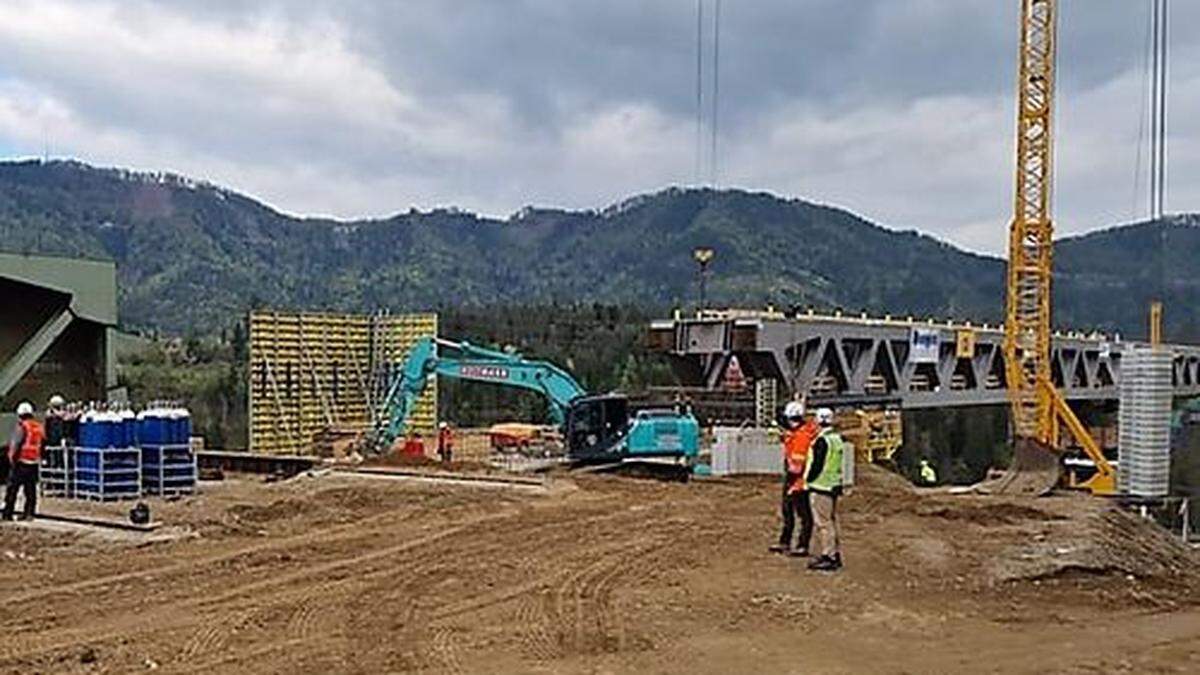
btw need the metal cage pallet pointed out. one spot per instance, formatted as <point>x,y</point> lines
<point>168,470</point>
<point>57,473</point>
<point>107,474</point>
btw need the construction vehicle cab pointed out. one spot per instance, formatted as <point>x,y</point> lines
<point>596,426</point>
<point>601,428</point>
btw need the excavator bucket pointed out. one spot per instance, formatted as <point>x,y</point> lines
<point>1035,471</point>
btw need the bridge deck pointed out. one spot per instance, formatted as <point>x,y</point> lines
<point>922,364</point>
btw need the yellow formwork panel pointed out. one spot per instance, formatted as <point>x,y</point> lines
<point>310,372</point>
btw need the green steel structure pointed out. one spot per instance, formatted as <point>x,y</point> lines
<point>57,321</point>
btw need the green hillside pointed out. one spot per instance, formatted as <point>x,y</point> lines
<point>194,257</point>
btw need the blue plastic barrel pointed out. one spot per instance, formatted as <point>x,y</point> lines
<point>87,430</point>
<point>128,428</point>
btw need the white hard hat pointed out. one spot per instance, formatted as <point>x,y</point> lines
<point>57,401</point>
<point>793,410</point>
<point>444,425</point>
<point>24,408</point>
<point>824,417</point>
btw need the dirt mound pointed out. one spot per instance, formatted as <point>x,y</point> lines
<point>881,491</point>
<point>1001,513</point>
<point>1107,542</point>
<point>277,510</point>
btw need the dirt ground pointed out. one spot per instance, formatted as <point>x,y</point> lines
<point>596,574</point>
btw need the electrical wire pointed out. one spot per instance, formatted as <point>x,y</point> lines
<point>716,95</point>
<point>699,91</point>
<point>1143,117</point>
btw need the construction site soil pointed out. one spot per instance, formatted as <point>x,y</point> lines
<point>340,573</point>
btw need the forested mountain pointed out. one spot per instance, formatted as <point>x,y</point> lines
<point>193,257</point>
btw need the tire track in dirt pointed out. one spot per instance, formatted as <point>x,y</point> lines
<point>213,635</point>
<point>167,615</point>
<point>575,599</point>
<point>334,535</point>
<point>446,651</point>
<point>552,617</point>
<point>175,616</point>
<point>535,639</point>
<point>317,607</point>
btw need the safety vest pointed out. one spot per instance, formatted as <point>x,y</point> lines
<point>30,451</point>
<point>830,477</point>
<point>927,473</point>
<point>796,446</point>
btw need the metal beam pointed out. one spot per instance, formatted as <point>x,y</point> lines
<point>33,349</point>
<point>801,346</point>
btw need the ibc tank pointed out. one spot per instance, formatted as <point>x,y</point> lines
<point>1144,420</point>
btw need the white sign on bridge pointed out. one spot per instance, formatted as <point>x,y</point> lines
<point>923,345</point>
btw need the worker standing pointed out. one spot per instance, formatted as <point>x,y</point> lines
<point>445,443</point>
<point>56,424</point>
<point>5,462</point>
<point>928,475</point>
<point>25,453</point>
<point>797,440</point>
<point>824,479</point>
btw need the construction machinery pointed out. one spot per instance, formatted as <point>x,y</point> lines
<point>1039,411</point>
<point>595,428</point>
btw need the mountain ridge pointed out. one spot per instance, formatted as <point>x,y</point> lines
<point>192,256</point>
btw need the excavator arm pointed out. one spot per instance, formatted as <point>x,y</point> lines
<point>431,357</point>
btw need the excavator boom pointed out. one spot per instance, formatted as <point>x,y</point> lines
<point>431,357</point>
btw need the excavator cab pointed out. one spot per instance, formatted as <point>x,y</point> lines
<point>597,427</point>
<point>602,428</point>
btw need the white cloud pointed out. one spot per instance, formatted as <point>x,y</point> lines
<point>359,108</point>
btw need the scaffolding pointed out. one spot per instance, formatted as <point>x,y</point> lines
<point>315,372</point>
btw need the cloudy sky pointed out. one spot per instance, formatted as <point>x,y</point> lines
<point>900,110</point>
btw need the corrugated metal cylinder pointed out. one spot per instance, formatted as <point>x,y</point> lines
<point>1144,447</point>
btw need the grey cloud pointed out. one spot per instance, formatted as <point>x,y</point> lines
<point>899,109</point>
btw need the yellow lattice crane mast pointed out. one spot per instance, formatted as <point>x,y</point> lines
<point>1038,408</point>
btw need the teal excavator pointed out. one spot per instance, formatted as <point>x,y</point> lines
<point>596,429</point>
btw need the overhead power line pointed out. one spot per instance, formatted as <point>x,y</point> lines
<point>716,96</point>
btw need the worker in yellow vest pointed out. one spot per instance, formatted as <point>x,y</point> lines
<point>928,475</point>
<point>824,480</point>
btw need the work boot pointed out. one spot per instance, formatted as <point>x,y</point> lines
<point>778,548</point>
<point>824,564</point>
<point>25,516</point>
<point>798,553</point>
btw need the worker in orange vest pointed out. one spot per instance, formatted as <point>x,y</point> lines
<point>445,442</point>
<point>797,440</point>
<point>25,455</point>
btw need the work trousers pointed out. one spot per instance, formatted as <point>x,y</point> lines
<point>824,508</point>
<point>791,506</point>
<point>24,477</point>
